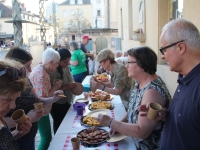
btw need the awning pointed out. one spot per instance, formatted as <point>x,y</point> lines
<point>4,36</point>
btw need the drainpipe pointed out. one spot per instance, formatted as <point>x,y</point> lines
<point>108,1</point>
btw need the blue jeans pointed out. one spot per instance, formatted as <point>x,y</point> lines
<point>26,143</point>
<point>79,77</point>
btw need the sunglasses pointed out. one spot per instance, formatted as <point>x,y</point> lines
<point>14,73</point>
<point>163,50</point>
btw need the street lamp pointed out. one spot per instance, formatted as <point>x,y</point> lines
<point>42,20</point>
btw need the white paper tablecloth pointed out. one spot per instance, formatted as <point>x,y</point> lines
<point>66,128</point>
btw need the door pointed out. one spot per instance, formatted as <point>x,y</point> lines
<point>101,43</point>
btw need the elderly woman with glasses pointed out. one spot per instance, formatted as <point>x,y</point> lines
<point>12,79</point>
<point>149,87</point>
<point>40,80</point>
<point>120,83</point>
<point>26,100</point>
<point>78,66</point>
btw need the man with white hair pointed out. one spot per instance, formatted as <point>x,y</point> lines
<point>180,47</point>
<point>40,80</point>
<point>118,53</point>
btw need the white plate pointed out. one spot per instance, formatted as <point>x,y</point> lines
<point>95,113</point>
<point>116,137</point>
<point>81,100</point>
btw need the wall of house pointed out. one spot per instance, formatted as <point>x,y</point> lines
<point>154,17</point>
<point>86,9</point>
<point>6,27</point>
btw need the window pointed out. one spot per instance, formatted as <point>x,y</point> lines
<point>65,13</point>
<point>72,13</point>
<point>98,23</point>
<point>65,25</point>
<point>80,12</point>
<point>98,12</point>
<point>72,1</point>
<point>80,1</point>
<point>98,1</point>
<point>175,9</point>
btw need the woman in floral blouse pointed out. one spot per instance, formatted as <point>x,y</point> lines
<point>40,80</point>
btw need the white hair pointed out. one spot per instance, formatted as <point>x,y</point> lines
<point>181,29</point>
<point>118,52</point>
<point>50,54</point>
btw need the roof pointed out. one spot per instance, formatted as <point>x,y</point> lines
<point>67,2</point>
<point>6,11</point>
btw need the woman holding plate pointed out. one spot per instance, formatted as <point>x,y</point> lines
<point>120,83</point>
<point>146,133</point>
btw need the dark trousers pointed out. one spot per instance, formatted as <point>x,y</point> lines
<point>58,113</point>
<point>79,77</point>
<point>26,143</point>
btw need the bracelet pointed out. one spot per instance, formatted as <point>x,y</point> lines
<point>110,125</point>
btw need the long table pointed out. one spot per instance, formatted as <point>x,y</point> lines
<point>70,126</point>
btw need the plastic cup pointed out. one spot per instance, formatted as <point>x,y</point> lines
<point>75,143</point>
<point>153,111</point>
<point>19,116</point>
<point>79,110</point>
<point>38,105</point>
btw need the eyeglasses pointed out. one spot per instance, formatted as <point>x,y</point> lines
<point>163,50</point>
<point>130,62</point>
<point>13,73</point>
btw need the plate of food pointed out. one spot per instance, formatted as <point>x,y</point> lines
<point>116,137</point>
<point>95,113</point>
<point>89,121</point>
<point>102,77</point>
<point>100,105</point>
<point>93,136</point>
<point>100,95</point>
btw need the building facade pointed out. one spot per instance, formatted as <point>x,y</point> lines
<point>74,16</point>
<point>30,27</point>
<point>140,24</point>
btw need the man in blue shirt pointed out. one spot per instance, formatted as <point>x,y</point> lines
<point>180,47</point>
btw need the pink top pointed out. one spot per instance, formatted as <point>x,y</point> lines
<point>40,80</point>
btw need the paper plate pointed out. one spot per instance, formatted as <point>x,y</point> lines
<point>116,137</point>
<point>78,90</point>
<point>95,113</point>
<point>82,100</point>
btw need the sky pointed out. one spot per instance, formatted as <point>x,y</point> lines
<point>33,5</point>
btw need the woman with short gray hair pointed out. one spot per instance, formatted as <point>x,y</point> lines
<point>78,66</point>
<point>40,80</point>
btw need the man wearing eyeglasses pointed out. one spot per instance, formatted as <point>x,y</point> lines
<point>180,47</point>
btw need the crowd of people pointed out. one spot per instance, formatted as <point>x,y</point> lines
<point>133,78</point>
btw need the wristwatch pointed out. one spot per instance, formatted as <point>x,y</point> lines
<point>103,88</point>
